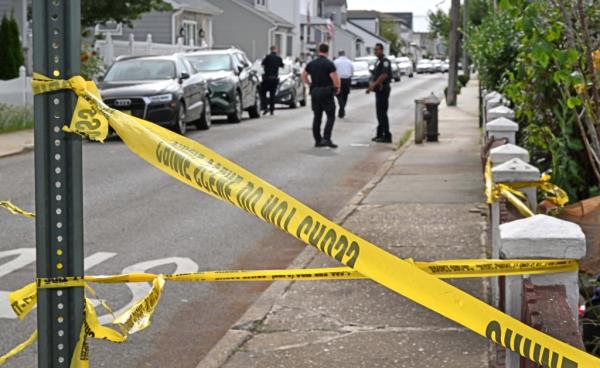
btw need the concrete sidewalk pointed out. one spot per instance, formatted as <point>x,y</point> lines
<point>14,143</point>
<point>427,204</point>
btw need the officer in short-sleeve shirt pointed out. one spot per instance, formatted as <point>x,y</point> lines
<point>382,75</point>
<point>324,85</point>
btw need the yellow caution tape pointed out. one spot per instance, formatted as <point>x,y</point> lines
<point>493,191</point>
<point>15,210</point>
<point>17,349</point>
<point>137,317</point>
<point>203,169</point>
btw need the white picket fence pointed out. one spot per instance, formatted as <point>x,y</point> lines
<point>17,91</point>
<point>109,50</point>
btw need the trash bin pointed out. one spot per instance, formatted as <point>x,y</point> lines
<point>419,121</point>
<point>431,117</point>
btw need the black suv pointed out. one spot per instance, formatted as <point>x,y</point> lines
<point>165,90</point>
<point>233,82</point>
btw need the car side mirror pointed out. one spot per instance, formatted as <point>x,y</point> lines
<point>240,69</point>
<point>100,78</point>
<point>185,75</point>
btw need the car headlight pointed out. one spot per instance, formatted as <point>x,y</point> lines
<point>167,97</point>
<point>220,82</point>
<point>287,84</point>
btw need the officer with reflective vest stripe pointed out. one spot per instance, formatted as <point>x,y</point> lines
<point>380,84</point>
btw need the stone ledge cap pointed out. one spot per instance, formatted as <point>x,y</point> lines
<point>506,152</point>
<point>502,124</point>
<point>491,95</point>
<point>542,236</point>
<point>515,170</point>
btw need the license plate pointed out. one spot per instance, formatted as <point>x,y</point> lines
<point>353,83</point>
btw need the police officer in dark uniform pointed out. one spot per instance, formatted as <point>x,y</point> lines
<point>380,84</point>
<point>271,64</point>
<point>324,85</point>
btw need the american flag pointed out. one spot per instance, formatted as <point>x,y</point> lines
<point>331,28</point>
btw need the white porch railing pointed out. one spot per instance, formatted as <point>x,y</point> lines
<point>109,50</point>
<point>17,91</point>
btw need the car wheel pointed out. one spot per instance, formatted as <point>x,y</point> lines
<point>180,125</point>
<point>411,75</point>
<point>254,111</point>
<point>303,101</point>
<point>236,116</point>
<point>294,102</point>
<point>206,119</point>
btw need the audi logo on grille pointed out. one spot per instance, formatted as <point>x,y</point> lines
<point>122,102</point>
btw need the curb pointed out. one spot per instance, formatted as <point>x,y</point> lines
<point>238,334</point>
<point>24,149</point>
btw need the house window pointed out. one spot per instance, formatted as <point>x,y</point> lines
<point>278,41</point>
<point>188,31</point>
<point>260,3</point>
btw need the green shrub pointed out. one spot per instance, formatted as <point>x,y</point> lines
<point>11,52</point>
<point>463,80</point>
<point>14,118</point>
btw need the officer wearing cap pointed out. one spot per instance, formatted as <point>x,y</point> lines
<point>324,84</point>
<point>271,64</point>
<point>380,84</point>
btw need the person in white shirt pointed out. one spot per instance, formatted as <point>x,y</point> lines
<point>344,68</point>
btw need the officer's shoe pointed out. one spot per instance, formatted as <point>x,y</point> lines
<point>328,143</point>
<point>374,139</point>
<point>384,140</point>
<point>320,144</point>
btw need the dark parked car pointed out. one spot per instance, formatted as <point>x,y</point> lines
<point>291,90</point>
<point>165,90</point>
<point>362,75</point>
<point>233,82</point>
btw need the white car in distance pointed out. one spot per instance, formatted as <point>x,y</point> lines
<point>405,65</point>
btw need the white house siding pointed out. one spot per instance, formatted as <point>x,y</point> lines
<point>369,39</point>
<point>289,10</point>
<point>344,41</point>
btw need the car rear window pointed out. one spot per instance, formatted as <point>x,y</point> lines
<point>210,62</point>
<point>360,65</point>
<point>140,69</point>
<point>287,69</point>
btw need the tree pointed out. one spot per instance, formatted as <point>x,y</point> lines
<point>386,29</point>
<point>15,43</point>
<point>95,12</point>
<point>439,22</point>
<point>439,25</point>
<point>8,67</point>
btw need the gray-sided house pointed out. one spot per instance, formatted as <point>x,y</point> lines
<point>251,26</point>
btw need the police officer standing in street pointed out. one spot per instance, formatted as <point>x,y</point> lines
<point>324,84</point>
<point>270,80</point>
<point>345,69</point>
<point>380,84</point>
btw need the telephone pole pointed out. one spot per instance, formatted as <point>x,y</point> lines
<point>465,58</point>
<point>453,44</point>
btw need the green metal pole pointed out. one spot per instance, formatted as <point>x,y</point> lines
<point>58,182</point>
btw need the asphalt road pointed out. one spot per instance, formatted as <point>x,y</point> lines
<point>139,219</point>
